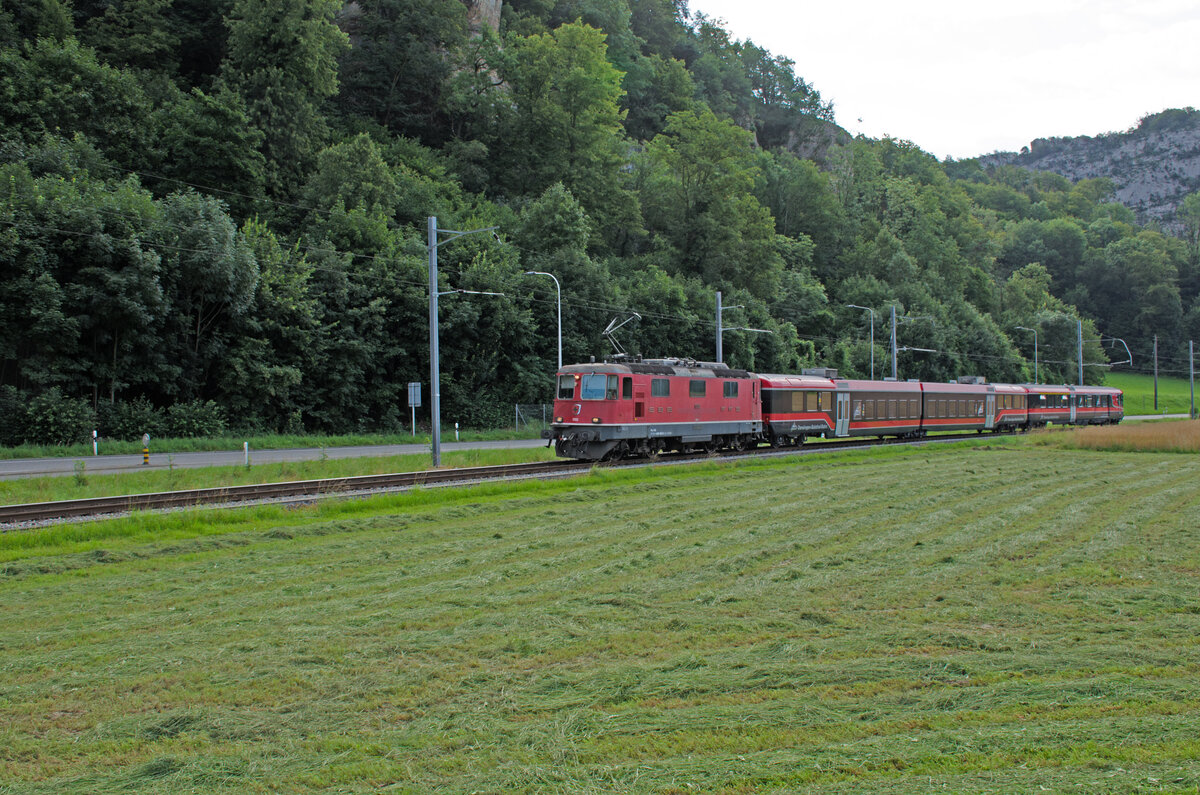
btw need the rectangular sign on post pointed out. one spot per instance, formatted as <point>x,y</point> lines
<point>414,394</point>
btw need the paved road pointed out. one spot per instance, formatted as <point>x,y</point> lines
<point>30,467</point>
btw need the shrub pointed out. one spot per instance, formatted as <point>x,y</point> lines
<point>129,419</point>
<point>196,418</point>
<point>53,418</point>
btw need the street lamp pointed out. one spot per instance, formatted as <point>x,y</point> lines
<point>872,311</point>
<point>558,291</point>
<point>435,376</point>
<point>1128,355</point>
<point>1035,357</point>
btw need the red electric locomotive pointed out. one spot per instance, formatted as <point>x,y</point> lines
<point>640,407</point>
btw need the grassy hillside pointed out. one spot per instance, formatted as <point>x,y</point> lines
<point>1174,395</point>
<point>898,623</point>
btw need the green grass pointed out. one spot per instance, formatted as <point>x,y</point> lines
<point>1174,395</point>
<point>257,442</point>
<point>84,484</point>
<point>898,622</point>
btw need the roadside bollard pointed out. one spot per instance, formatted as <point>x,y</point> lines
<point>145,449</point>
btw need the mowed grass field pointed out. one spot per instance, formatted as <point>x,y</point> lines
<point>985,618</point>
<point>1174,394</point>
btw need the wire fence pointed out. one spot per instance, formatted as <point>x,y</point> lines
<point>532,417</point>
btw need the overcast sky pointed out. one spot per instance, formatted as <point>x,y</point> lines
<point>961,78</point>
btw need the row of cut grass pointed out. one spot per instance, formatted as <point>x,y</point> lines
<point>978,619</point>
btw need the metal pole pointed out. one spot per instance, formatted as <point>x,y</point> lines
<point>435,381</point>
<point>872,311</point>
<point>1192,376</point>
<point>1156,372</point>
<point>894,342</point>
<point>719,352</point>
<point>1079,327</point>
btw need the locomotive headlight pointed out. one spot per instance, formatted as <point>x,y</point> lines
<point>558,419</point>
<point>595,419</point>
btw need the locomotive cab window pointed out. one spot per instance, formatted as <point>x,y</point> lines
<point>696,387</point>
<point>566,387</point>
<point>731,389</point>
<point>598,387</point>
<point>627,388</point>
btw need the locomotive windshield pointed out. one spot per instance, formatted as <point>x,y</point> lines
<point>598,387</point>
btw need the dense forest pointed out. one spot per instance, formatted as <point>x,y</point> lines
<point>214,212</point>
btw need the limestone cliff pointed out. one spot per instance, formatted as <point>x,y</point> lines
<point>1154,165</point>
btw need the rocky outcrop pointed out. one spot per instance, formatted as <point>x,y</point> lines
<point>482,13</point>
<point>1154,165</point>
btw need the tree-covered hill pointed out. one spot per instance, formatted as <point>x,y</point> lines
<point>215,211</point>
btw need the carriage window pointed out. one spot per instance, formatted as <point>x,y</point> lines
<point>627,388</point>
<point>797,401</point>
<point>858,410</point>
<point>660,387</point>
<point>731,389</point>
<point>566,387</point>
<point>891,409</point>
<point>811,401</point>
<point>826,401</point>
<point>869,409</point>
<point>696,388</point>
<point>913,411</point>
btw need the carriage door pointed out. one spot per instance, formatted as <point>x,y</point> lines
<point>1072,399</point>
<point>990,410</point>
<point>843,414</point>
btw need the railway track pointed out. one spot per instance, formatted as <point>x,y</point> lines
<point>300,490</point>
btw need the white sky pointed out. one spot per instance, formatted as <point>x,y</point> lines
<point>964,78</point>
